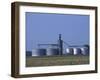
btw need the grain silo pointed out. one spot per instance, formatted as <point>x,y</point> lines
<point>69,51</point>
<point>52,51</point>
<point>38,52</point>
<point>84,50</point>
<point>77,51</point>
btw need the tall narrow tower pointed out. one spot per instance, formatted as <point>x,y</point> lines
<point>60,45</point>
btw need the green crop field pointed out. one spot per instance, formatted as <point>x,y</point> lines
<point>56,60</point>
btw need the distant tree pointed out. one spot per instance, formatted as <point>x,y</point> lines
<point>86,45</point>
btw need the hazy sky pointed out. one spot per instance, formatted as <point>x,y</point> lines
<point>44,28</point>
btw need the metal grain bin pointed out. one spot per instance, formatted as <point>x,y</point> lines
<point>84,50</point>
<point>38,52</point>
<point>69,51</point>
<point>77,51</point>
<point>52,51</point>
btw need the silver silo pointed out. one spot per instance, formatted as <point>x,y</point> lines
<point>84,50</point>
<point>38,52</point>
<point>52,51</point>
<point>77,51</point>
<point>69,51</point>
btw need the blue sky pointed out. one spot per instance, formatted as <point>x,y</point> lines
<point>45,28</point>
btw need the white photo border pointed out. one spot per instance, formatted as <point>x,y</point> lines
<point>53,69</point>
